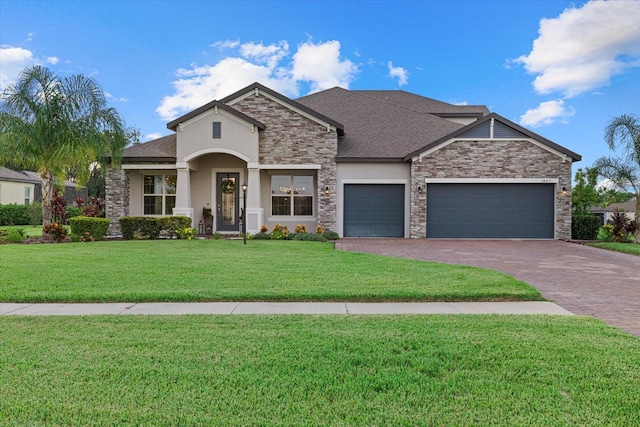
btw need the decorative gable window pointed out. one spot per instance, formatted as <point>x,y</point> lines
<point>291,195</point>
<point>217,129</point>
<point>159,194</point>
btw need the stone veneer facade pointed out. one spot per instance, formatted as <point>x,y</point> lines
<point>490,159</point>
<point>291,138</point>
<point>117,198</point>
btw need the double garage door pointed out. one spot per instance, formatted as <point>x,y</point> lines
<point>497,211</point>
<point>461,210</point>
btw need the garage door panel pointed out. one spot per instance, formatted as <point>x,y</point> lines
<point>490,210</point>
<point>374,210</point>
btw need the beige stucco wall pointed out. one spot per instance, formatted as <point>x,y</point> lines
<point>491,159</point>
<point>13,192</point>
<point>238,137</point>
<point>372,173</point>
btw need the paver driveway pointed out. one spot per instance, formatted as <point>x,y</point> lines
<point>582,279</point>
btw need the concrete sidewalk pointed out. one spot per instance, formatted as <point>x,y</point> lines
<point>318,308</point>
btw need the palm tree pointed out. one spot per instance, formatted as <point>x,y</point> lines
<point>53,124</point>
<point>624,171</point>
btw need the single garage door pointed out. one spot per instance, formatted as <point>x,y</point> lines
<point>374,210</point>
<point>490,211</point>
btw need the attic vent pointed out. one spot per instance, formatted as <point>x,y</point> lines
<point>217,129</point>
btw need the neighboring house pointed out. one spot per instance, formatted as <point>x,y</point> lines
<point>16,187</point>
<point>606,214</point>
<point>24,187</point>
<point>362,163</point>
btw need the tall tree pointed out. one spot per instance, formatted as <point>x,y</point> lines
<point>584,194</point>
<point>52,124</point>
<point>624,132</point>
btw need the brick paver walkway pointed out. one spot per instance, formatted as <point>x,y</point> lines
<point>583,280</point>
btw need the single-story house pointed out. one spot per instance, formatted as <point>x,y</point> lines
<point>16,187</point>
<point>364,163</point>
<point>606,214</point>
<point>24,187</point>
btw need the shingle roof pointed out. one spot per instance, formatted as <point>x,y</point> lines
<point>163,148</point>
<point>7,174</point>
<point>423,104</point>
<point>377,129</point>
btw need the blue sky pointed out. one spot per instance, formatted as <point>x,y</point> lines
<point>559,68</point>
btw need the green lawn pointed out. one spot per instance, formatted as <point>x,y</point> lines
<point>317,370</point>
<point>227,270</point>
<point>627,248</point>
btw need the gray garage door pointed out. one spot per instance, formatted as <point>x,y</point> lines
<point>490,211</point>
<point>374,210</point>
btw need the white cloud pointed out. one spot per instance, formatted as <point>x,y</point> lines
<point>226,44</point>
<point>13,60</point>
<point>399,73</point>
<point>52,60</point>
<point>318,65</point>
<point>152,136</point>
<point>583,48</point>
<point>546,113</point>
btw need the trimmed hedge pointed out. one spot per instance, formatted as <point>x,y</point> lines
<point>145,227</point>
<point>97,227</point>
<point>14,214</point>
<point>585,227</point>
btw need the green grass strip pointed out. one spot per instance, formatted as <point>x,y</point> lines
<point>317,370</point>
<point>224,270</point>
<point>627,248</point>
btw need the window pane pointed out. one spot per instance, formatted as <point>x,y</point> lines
<point>303,205</point>
<point>303,185</point>
<point>153,184</point>
<point>170,184</point>
<point>280,184</point>
<point>153,205</point>
<point>170,203</point>
<point>280,205</point>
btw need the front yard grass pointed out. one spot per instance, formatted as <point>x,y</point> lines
<point>29,230</point>
<point>627,248</point>
<point>227,270</point>
<point>317,370</point>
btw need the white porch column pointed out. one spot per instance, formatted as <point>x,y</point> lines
<point>183,192</point>
<point>254,207</point>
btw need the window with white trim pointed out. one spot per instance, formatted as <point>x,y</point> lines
<point>27,195</point>
<point>159,194</point>
<point>291,195</point>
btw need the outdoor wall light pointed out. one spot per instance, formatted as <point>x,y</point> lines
<point>563,192</point>
<point>419,189</point>
<point>326,190</point>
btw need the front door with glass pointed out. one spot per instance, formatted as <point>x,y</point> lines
<point>228,206</point>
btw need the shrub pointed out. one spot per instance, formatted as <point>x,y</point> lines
<point>217,235</point>
<point>72,211</point>
<point>146,227</point>
<point>264,229</point>
<point>261,236</point>
<point>319,230</point>
<point>96,227</point>
<point>301,228</point>
<point>86,237</point>
<point>186,233</point>
<point>95,208</point>
<point>14,214</point>
<point>58,207</point>
<point>56,231</point>
<point>605,233</point>
<point>621,226</point>
<point>277,235</point>
<point>140,227</point>
<point>171,224</point>
<point>13,235</point>
<point>330,235</point>
<point>34,211</point>
<point>308,237</point>
<point>584,227</point>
